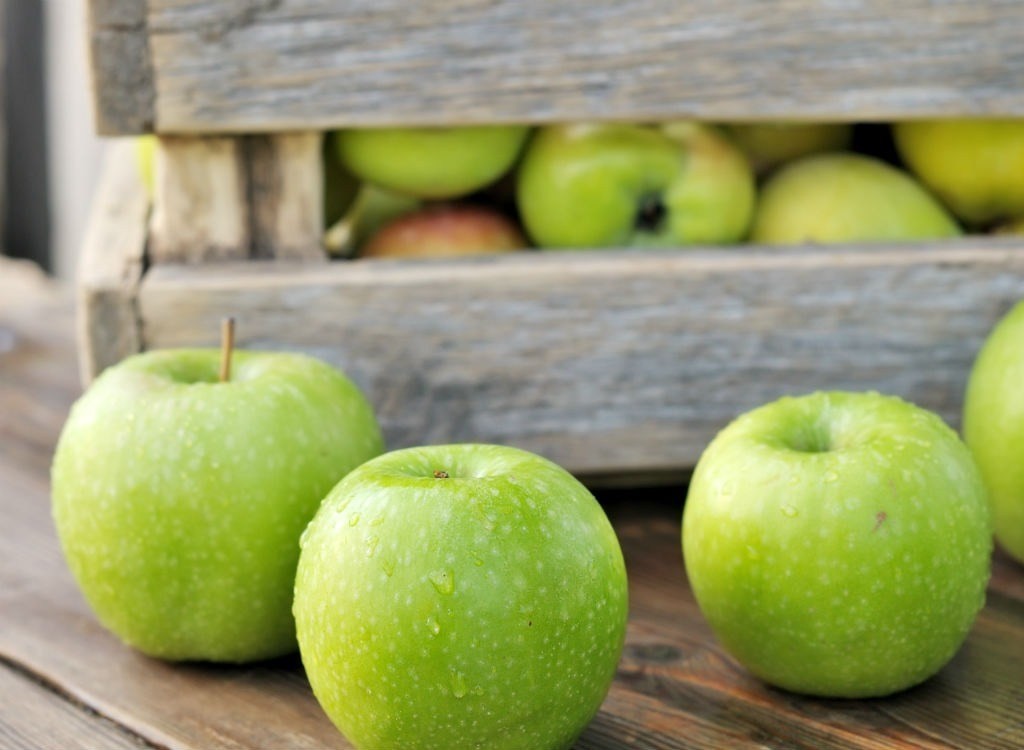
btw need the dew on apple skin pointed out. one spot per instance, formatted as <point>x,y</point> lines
<point>371,545</point>
<point>443,581</point>
<point>433,627</point>
<point>789,511</point>
<point>354,518</point>
<point>831,476</point>
<point>458,684</point>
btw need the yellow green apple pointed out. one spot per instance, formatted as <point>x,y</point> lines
<point>179,497</point>
<point>431,162</point>
<point>993,425</point>
<point>769,144</point>
<point>838,543</point>
<point>583,185</point>
<point>460,596</point>
<point>975,166</point>
<point>846,197</point>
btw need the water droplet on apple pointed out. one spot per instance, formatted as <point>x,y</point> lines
<point>377,521</point>
<point>790,511</point>
<point>794,479</point>
<point>433,627</point>
<point>371,545</point>
<point>728,488</point>
<point>478,562</point>
<point>443,581</point>
<point>388,566</point>
<point>353,519</point>
<point>831,476</point>
<point>458,685</point>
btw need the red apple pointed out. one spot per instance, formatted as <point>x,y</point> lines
<point>445,230</point>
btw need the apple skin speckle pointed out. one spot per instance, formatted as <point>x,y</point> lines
<point>179,501</point>
<point>874,581</point>
<point>503,617</point>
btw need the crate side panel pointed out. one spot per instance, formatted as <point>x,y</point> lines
<point>258,65</point>
<point>609,363</point>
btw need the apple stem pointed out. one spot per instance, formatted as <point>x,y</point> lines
<point>227,346</point>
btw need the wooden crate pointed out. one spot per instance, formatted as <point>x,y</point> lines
<point>610,362</point>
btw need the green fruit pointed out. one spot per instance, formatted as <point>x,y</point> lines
<point>770,144</point>
<point>846,198</point>
<point>179,500</point>
<point>145,161</point>
<point>838,543</point>
<point>993,425</point>
<point>618,185</point>
<point>460,596</point>
<point>432,163</point>
<point>975,166</point>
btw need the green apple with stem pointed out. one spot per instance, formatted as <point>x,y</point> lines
<point>993,425</point>
<point>846,197</point>
<point>838,543</point>
<point>182,481</point>
<point>583,185</point>
<point>431,162</point>
<point>975,166</point>
<point>770,144</point>
<point>460,596</point>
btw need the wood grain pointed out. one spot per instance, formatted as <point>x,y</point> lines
<point>285,195</point>
<point>259,65</point>
<point>110,264</point>
<point>609,362</point>
<point>45,720</point>
<point>122,71</point>
<point>200,201</point>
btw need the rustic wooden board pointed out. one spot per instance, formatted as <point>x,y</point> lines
<point>110,264</point>
<point>255,65</point>
<point>613,362</point>
<point>45,720</point>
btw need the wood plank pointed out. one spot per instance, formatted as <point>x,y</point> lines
<point>286,184</point>
<point>201,200</point>
<point>610,362</point>
<point>110,264</point>
<point>45,720</point>
<point>122,73</point>
<point>258,65</point>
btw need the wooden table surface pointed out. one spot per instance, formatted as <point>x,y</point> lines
<point>66,683</point>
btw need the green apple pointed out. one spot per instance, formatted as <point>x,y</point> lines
<point>145,161</point>
<point>372,208</point>
<point>431,163</point>
<point>179,499</point>
<point>846,197</point>
<point>585,185</point>
<point>460,596</point>
<point>445,230</point>
<point>838,543</point>
<point>993,425</point>
<point>340,186</point>
<point>770,144</point>
<point>976,166</point>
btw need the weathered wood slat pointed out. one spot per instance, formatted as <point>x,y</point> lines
<point>110,265</point>
<point>256,65</point>
<point>46,720</point>
<point>285,189</point>
<point>201,200</point>
<point>609,362</point>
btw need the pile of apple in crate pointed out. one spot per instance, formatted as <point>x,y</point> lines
<point>234,506</point>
